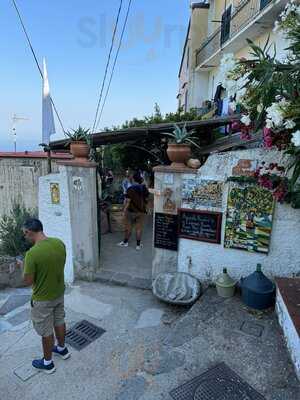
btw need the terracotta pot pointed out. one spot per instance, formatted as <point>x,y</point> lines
<point>80,150</point>
<point>179,154</point>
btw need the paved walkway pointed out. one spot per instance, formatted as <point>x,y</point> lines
<point>149,348</point>
<point>126,266</point>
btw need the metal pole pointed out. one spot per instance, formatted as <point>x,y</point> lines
<point>49,161</point>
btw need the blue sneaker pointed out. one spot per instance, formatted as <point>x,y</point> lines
<point>65,354</point>
<point>39,364</point>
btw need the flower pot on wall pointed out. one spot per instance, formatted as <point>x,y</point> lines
<point>179,154</point>
<point>80,150</point>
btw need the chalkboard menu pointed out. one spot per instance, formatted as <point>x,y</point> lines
<point>166,231</point>
<point>204,226</point>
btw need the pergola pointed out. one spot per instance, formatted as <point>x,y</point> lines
<point>203,129</point>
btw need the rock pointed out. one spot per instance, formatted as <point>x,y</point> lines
<point>11,275</point>
<point>194,163</point>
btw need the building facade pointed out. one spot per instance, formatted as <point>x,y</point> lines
<point>217,28</point>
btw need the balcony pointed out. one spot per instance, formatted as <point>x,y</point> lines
<point>249,20</point>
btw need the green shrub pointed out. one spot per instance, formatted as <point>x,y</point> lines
<point>12,241</point>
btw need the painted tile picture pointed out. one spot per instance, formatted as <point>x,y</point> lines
<point>249,219</point>
<point>55,193</point>
<point>197,193</point>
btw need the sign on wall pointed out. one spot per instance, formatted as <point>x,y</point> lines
<point>77,184</point>
<point>169,205</point>
<point>55,193</point>
<point>166,231</point>
<point>249,219</point>
<point>198,193</point>
<point>204,226</point>
<point>245,168</point>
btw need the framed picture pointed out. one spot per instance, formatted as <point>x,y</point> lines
<point>204,226</point>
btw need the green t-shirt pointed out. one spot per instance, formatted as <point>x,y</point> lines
<point>46,261</point>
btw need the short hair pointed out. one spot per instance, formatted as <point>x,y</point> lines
<point>33,225</point>
<point>138,178</point>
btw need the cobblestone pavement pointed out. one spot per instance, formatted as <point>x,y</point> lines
<point>149,348</point>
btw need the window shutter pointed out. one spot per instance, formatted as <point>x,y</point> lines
<point>225,26</point>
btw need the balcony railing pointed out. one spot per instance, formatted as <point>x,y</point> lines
<point>241,17</point>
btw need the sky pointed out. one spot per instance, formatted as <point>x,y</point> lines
<point>74,36</point>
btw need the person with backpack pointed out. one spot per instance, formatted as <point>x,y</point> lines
<point>135,210</point>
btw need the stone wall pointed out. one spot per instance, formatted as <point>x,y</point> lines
<point>11,275</point>
<point>206,260</point>
<point>19,181</point>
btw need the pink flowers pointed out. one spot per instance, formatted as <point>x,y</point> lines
<point>268,140</point>
<point>273,179</point>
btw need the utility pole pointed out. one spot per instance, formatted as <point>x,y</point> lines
<point>15,120</point>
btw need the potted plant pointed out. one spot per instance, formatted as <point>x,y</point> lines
<point>79,140</point>
<point>179,150</point>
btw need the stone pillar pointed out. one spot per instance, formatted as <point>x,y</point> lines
<point>167,200</point>
<point>68,210</point>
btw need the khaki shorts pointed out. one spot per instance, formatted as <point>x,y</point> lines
<point>46,315</point>
<point>134,218</point>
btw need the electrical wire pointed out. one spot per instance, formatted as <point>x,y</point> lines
<point>107,63</point>
<point>35,59</point>
<point>115,61</point>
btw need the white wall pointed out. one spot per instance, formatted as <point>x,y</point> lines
<point>199,89</point>
<point>290,333</point>
<point>56,217</point>
<point>209,259</point>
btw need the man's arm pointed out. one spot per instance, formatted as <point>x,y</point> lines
<point>29,270</point>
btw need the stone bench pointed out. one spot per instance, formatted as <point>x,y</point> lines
<point>288,311</point>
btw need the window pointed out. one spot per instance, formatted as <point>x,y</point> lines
<point>225,25</point>
<point>264,3</point>
<point>188,57</point>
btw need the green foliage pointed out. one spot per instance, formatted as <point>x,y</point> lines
<point>147,150</point>
<point>79,135</point>
<point>12,241</point>
<point>158,118</point>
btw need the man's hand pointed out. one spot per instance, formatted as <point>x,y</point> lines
<point>29,279</point>
<point>20,262</point>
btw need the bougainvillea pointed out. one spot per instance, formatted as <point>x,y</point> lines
<point>267,90</point>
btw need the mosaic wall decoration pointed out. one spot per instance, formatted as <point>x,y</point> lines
<point>245,168</point>
<point>55,193</point>
<point>198,193</point>
<point>249,219</point>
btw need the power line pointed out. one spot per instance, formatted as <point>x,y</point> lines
<point>115,61</point>
<point>108,62</point>
<point>35,59</point>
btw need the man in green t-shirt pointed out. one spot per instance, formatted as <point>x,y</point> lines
<point>44,270</point>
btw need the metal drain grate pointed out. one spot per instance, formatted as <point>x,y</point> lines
<point>218,383</point>
<point>82,334</point>
<point>252,329</point>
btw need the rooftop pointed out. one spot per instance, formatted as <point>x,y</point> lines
<point>34,154</point>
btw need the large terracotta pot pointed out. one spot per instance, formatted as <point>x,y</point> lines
<point>179,154</point>
<point>80,150</point>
